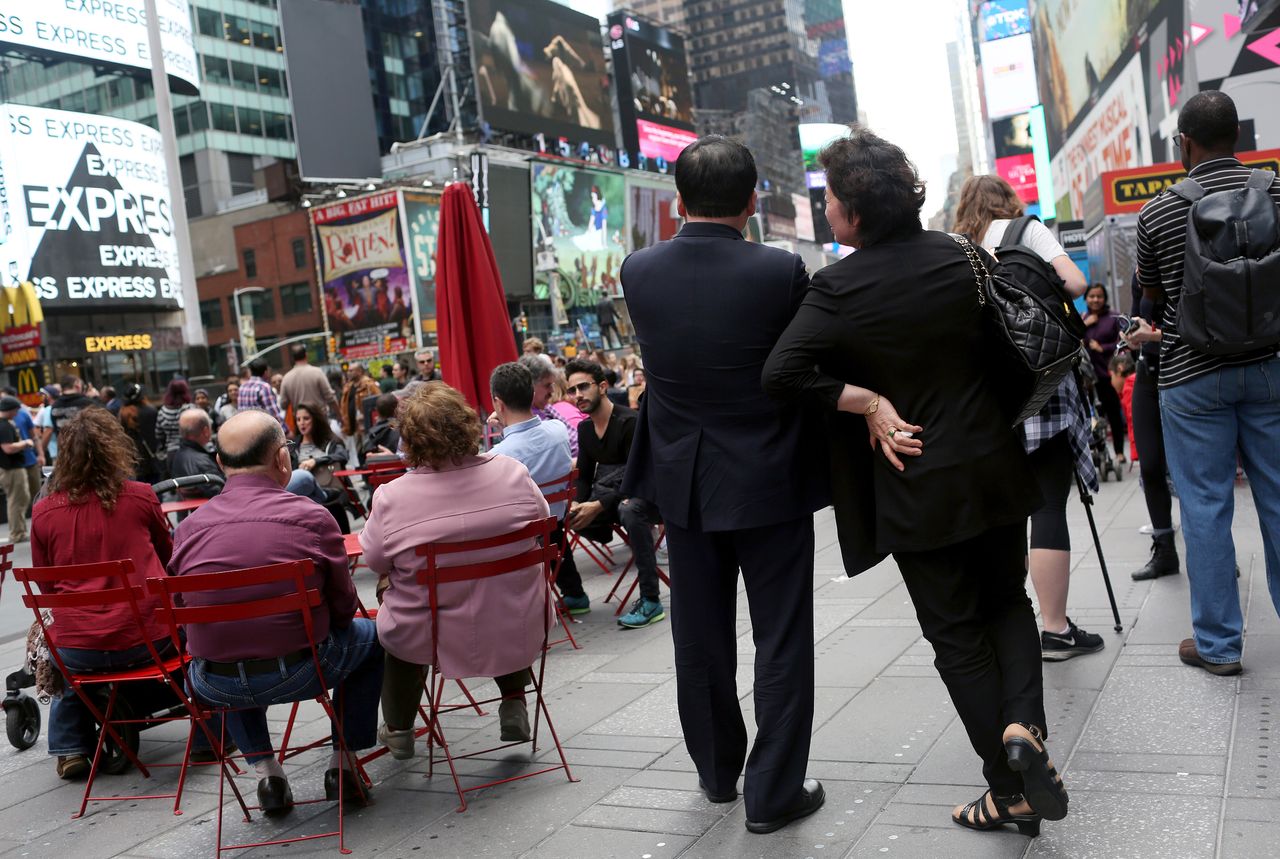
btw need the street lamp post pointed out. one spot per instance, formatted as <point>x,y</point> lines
<point>235,299</point>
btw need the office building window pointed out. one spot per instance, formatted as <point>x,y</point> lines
<point>250,120</point>
<point>250,263</point>
<point>224,117</point>
<point>215,69</point>
<point>295,298</point>
<point>241,169</point>
<point>277,126</point>
<point>244,75</point>
<point>271,81</point>
<point>211,313</point>
<point>209,22</point>
<point>261,305</point>
<point>299,253</point>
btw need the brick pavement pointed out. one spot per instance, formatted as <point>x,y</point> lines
<point>1162,761</point>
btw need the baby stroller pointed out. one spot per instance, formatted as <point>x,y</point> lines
<point>22,713</point>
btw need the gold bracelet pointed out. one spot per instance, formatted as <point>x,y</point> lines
<point>874,407</point>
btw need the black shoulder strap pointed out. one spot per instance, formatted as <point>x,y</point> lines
<point>1188,189</point>
<point>1260,180</point>
<point>1013,232</point>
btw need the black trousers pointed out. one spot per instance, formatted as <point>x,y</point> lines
<point>1149,437</point>
<point>1110,402</point>
<point>777,566</point>
<point>971,600</point>
<point>568,579</point>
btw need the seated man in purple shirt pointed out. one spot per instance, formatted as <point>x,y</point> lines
<point>254,522</point>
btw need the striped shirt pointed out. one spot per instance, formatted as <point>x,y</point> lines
<point>1162,245</point>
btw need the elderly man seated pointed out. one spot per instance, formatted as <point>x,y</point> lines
<point>192,457</point>
<point>254,522</point>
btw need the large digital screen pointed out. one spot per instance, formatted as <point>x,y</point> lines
<point>110,34</point>
<point>1009,75</point>
<point>1015,155</point>
<point>85,213</point>
<point>814,136</point>
<point>540,69</point>
<point>579,224</point>
<point>368,297</point>
<point>653,215</point>
<point>655,96</point>
<point>1078,44</point>
<point>1000,19</point>
<point>422,217</point>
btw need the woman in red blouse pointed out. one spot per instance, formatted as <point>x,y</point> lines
<point>94,512</point>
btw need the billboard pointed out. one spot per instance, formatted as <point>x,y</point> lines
<point>814,136</point>
<point>333,116</point>
<point>85,213</point>
<point>112,35</point>
<point>651,214</point>
<point>1078,44</point>
<point>579,219</point>
<point>540,69</point>
<point>1112,136</point>
<point>1009,75</point>
<point>1000,19</point>
<point>655,94</point>
<point>422,218</point>
<point>368,299</point>
<point>1015,155</point>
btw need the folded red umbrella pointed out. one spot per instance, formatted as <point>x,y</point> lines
<point>472,324</point>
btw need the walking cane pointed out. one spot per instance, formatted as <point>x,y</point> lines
<point>1087,500</point>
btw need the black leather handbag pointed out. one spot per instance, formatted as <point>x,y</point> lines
<point>1030,336</point>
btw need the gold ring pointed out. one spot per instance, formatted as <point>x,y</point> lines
<point>892,431</point>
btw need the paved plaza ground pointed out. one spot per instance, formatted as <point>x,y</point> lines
<point>1161,760</point>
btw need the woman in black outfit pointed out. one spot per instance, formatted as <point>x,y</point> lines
<point>901,319</point>
<point>1148,437</point>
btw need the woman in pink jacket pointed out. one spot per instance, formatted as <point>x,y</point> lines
<point>488,628</point>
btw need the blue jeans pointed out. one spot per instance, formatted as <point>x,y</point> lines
<point>72,730</point>
<point>1206,420</point>
<point>303,482</point>
<point>351,660</point>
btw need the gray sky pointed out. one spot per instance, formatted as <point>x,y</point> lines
<point>900,72</point>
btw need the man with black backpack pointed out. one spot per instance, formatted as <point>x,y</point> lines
<point>1210,248</point>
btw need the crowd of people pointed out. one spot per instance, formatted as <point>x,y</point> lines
<point>765,395</point>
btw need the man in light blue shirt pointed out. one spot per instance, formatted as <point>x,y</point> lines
<point>543,447</point>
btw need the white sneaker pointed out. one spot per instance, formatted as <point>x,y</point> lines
<point>399,743</point>
<point>1149,528</point>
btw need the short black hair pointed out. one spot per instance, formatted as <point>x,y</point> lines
<point>298,352</point>
<point>67,382</point>
<point>1210,119</point>
<point>385,406</point>
<point>259,367</point>
<point>263,447</point>
<point>9,391</point>
<point>873,179</point>
<point>582,365</point>
<point>715,177</point>
<point>1102,286</point>
<point>386,370</point>
<point>513,384</point>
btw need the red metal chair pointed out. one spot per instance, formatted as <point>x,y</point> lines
<point>662,574</point>
<point>300,600</point>
<point>565,496</point>
<point>432,576</point>
<point>85,685</point>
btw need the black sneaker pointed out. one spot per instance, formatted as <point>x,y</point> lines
<point>1074,642</point>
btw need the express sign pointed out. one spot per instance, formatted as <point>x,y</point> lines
<point>104,32</point>
<point>84,210</point>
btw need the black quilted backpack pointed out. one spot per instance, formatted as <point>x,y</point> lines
<point>1033,337</point>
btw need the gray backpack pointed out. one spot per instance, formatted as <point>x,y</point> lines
<point>1230,300</point>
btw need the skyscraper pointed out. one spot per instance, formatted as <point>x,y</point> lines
<point>669,13</point>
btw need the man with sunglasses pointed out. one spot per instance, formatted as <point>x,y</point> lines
<point>604,443</point>
<point>426,360</point>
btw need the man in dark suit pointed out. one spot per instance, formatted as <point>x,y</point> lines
<point>736,478</point>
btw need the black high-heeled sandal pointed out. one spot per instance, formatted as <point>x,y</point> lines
<point>1041,784</point>
<point>975,815</point>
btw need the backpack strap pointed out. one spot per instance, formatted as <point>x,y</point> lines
<point>1260,180</point>
<point>1188,189</point>
<point>1013,232</point>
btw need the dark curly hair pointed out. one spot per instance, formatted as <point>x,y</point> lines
<point>95,457</point>
<point>873,179</point>
<point>321,432</point>
<point>437,426</point>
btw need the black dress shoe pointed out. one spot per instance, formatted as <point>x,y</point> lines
<point>274,796</point>
<point>728,796</point>
<point>812,796</point>
<point>353,790</point>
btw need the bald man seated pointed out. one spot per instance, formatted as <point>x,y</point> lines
<point>192,456</point>
<point>254,521</point>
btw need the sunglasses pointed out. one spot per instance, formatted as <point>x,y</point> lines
<point>581,387</point>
